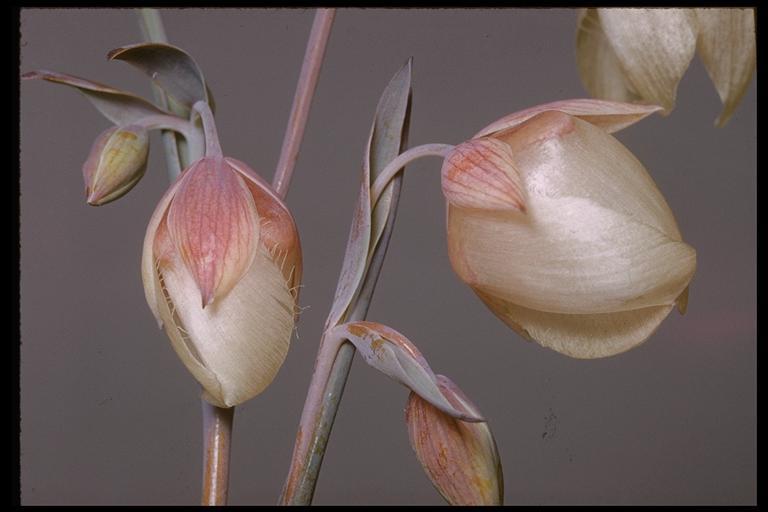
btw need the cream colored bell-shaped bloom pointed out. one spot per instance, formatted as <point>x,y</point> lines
<point>586,258</point>
<point>221,266</point>
<point>641,54</point>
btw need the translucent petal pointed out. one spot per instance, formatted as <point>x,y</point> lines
<point>727,48</point>
<point>570,256</point>
<point>599,68</point>
<point>654,46</point>
<point>241,339</point>
<point>580,336</point>
<point>563,156</point>
<point>148,251</point>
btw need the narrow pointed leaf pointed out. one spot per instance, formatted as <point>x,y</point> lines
<point>384,143</point>
<point>387,140</point>
<point>118,106</point>
<point>395,356</point>
<point>169,67</point>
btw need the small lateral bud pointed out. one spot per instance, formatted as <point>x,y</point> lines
<point>459,457</point>
<point>116,163</point>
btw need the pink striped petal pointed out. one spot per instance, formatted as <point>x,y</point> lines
<point>481,174</point>
<point>214,225</point>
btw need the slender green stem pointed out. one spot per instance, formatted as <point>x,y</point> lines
<point>151,25</point>
<point>217,422</point>
<point>302,100</point>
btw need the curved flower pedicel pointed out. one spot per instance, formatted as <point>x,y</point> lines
<point>641,54</point>
<point>221,267</point>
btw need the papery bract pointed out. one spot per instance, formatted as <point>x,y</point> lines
<point>221,267</point>
<point>595,263</point>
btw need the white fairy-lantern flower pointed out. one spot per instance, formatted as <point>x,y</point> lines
<point>641,54</point>
<point>221,267</point>
<point>560,230</point>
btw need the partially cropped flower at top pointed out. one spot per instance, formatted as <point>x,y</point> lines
<point>641,54</point>
<point>560,230</point>
<point>221,267</point>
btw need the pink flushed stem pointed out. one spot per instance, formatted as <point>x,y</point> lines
<point>217,438</point>
<point>302,100</point>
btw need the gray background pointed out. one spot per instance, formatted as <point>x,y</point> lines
<point>109,414</point>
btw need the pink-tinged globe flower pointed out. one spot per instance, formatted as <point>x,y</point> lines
<point>221,267</point>
<point>560,230</point>
<point>641,54</point>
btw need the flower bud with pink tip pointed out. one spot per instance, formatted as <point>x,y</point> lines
<point>221,268</point>
<point>117,161</point>
<point>459,457</point>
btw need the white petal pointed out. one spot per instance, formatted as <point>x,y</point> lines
<point>147,254</point>
<point>243,338</point>
<point>569,255</point>
<point>727,48</point>
<point>599,68</point>
<point>183,346</point>
<point>654,46</point>
<point>581,336</point>
<point>562,156</point>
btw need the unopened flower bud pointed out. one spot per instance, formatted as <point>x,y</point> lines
<point>595,262</point>
<point>459,457</point>
<point>221,268</point>
<point>116,163</point>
